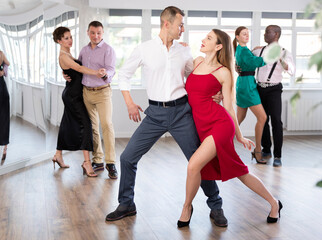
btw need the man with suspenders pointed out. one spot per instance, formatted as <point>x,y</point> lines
<point>269,78</point>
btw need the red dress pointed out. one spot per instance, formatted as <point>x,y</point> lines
<point>212,119</point>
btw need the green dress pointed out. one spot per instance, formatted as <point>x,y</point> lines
<point>246,87</point>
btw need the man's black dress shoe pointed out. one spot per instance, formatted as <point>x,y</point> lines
<point>277,162</point>
<point>112,173</point>
<point>219,218</point>
<point>274,220</point>
<point>185,224</point>
<point>97,166</point>
<point>121,212</point>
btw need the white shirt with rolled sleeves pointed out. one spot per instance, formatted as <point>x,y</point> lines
<point>263,72</point>
<point>163,70</point>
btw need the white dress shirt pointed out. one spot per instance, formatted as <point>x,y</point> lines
<point>263,72</point>
<point>163,70</point>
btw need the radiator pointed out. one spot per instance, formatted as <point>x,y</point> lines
<point>306,115</point>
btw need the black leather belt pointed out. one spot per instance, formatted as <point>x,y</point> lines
<point>249,73</point>
<point>173,103</point>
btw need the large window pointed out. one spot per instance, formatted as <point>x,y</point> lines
<point>24,47</point>
<point>307,45</point>
<point>70,19</point>
<point>202,18</point>
<point>127,28</point>
<point>124,34</point>
<point>276,18</point>
<point>29,46</point>
<point>308,42</point>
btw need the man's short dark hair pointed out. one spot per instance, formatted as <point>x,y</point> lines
<point>277,29</point>
<point>169,14</point>
<point>95,24</point>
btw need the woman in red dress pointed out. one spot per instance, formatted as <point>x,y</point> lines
<point>216,158</point>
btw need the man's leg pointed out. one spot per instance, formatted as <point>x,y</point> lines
<point>105,108</point>
<point>89,101</point>
<point>142,140</point>
<point>277,125</point>
<point>266,137</point>
<point>184,132</point>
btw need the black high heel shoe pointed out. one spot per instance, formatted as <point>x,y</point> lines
<point>261,160</point>
<point>274,220</point>
<point>4,154</point>
<point>182,224</point>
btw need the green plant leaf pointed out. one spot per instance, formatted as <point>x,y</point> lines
<point>294,99</point>
<point>315,106</point>
<point>319,183</point>
<point>299,79</point>
<point>316,59</point>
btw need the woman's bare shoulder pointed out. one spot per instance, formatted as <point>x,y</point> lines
<point>197,60</point>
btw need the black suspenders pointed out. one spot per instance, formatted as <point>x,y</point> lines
<point>273,67</point>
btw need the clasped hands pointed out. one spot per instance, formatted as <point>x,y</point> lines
<point>101,73</point>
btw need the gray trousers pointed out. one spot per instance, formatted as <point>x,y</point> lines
<point>179,123</point>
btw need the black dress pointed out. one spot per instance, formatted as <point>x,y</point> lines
<point>75,131</point>
<point>4,111</point>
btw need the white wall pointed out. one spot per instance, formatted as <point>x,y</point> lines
<point>227,5</point>
<point>125,128</point>
<point>31,101</point>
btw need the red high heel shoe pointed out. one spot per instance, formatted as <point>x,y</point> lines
<point>89,173</point>
<point>60,162</point>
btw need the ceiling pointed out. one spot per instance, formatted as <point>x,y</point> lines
<point>13,7</point>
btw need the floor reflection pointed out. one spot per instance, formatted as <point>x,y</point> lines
<point>26,141</point>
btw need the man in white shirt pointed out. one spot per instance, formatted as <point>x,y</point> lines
<point>165,64</point>
<point>269,87</point>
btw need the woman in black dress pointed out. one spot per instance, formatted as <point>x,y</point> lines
<point>75,131</point>
<point>4,106</point>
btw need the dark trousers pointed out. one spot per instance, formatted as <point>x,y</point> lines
<point>271,98</point>
<point>179,123</point>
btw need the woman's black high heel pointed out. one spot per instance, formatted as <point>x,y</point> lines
<point>260,161</point>
<point>185,224</point>
<point>274,220</point>
<point>4,154</point>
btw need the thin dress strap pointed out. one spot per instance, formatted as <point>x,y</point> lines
<point>216,69</point>
<point>197,66</point>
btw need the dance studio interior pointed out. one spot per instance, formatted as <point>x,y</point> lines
<point>42,201</point>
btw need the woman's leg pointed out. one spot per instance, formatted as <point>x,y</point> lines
<point>205,153</point>
<point>58,158</point>
<point>260,114</point>
<point>241,114</point>
<point>87,165</point>
<point>86,155</point>
<point>255,184</point>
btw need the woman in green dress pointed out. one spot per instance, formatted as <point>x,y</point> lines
<point>246,88</point>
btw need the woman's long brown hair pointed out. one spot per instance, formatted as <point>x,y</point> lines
<point>237,32</point>
<point>225,54</point>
